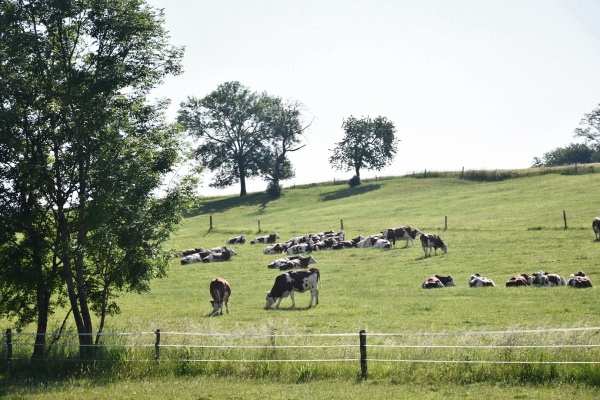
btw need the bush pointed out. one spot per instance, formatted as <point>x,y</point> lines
<point>354,181</point>
<point>274,190</point>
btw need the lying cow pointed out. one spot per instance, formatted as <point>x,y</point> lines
<point>519,280</point>
<point>438,281</point>
<point>220,292</point>
<point>237,240</point>
<point>187,252</point>
<point>284,263</point>
<point>272,238</point>
<point>431,240</point>
<point>294,281</point>
<point>596,227</point>
<point>277,248</point>
<point>224,255</point>
<point>542,278</point>
<point>382,244</point>
<point>477,280</point>
<point>579,282</point>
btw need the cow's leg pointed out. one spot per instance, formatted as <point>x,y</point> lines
<point>278,302</point>
<point>293,301</point>
<point>226,305</point>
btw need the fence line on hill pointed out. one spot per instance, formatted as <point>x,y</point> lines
<point>361,355</point>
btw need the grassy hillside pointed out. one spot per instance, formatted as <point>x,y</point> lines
<point>496,228</point>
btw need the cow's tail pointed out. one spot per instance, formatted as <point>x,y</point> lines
<point>319,280</point>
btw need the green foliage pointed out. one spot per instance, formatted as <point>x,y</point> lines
<point>589,127</point>
<point>367,144</point>
<point>354,181</point>
<point>575,153</point>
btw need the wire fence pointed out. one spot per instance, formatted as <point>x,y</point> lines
<point>557,346</point>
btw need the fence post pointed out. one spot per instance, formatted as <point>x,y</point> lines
<point>211,222</point>
<point>565,218</point>
<point>157,346</point>
<point>9,351</point>
<point>341,224</point>
<point>363,354</point>
<point>259,226</point>
<point>446,223</point>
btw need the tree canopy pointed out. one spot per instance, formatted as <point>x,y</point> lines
<point>82,155</point>
<point>589,127</point>
<point>242,134</point>
<point>367,144</point>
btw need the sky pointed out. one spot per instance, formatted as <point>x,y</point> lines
<point>467,83</point>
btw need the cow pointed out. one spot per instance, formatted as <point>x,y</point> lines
<point>382,244</point>
<point>542,278</point>
<point>403,233</point>
<point>286,263</point>
<point>596,227</point>
<point>438,281</point>
<point>579,282</point>
<point>519,280</point>
<point>218,256</point>
<point>272,238</point>
<point>431,240</point>
<point>477,280</point>
<point>187,252</point>
<point>302,248</point>
<point>294,281</point>
<point>195,257</point>
<point>277,248</point>
<point>220,292</point>
<point>237,240</point>
<point>223,249</point>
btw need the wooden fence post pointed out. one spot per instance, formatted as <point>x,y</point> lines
<point>341,224</point>
<point>565,218</point>
<point>446,223</point>
<point>363,354</point>
<point>9,351</point>
<point>157,346</point>
<point>211,222</point>
<point>259,226</point>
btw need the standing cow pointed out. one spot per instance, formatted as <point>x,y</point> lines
<point>431,240</point>
<point>596,227</point>
<point>294,281</point>
<point>220,292</point>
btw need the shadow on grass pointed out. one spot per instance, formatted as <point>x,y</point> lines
<point>217,205</point>
<point>350,191</point>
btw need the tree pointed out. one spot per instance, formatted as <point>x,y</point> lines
<point>367,144</point>
<point>231,127</point>
<point>284,132</point>
<point>575,153</point>
<point>81,156</point>
<point>589,127</point>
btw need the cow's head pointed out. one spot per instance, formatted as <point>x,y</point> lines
<point>270,300</point>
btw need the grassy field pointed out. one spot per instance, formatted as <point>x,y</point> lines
<point>496,228</point>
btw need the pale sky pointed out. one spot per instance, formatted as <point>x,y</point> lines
<point>473,84</point>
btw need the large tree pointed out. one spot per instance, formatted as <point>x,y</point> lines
<point>82,155</point>
<point>589,127</point>
<point>230,124</point>
<point>367,144</point>
<point>284,135</point>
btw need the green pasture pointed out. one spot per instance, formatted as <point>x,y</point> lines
<point>496,228</point>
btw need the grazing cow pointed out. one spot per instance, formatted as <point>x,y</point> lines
<point>272,238</point>
<point>237,240</point>
<point>431,240</point>
<point>578,281</point>
<point>596,227</point>
<point>220,292</point>
<point>403,233</point>
<point>187,252</point>
<point>438,281</point>
<point>519,280</point>
<point>294,281</point>
<point>477,280</point>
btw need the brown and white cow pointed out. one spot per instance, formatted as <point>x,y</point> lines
<point>519,280</point>
<point>294,281</point>
<point>438,281</point>
<point>477,280</point>
<point>578,281</point>
<point>272,238</point>
<point>596,227</point>
<point>224,255</point>
<point>542,278</point>
<point>220,292</point>
<point>237,240</point>
<point>276,248</point>
<point>431,240</point>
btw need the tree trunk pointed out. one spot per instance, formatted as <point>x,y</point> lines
<point>42,303</point>
<point>242,182</point>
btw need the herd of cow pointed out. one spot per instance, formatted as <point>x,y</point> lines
<point>540,278</point>
<point>300,278</point>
